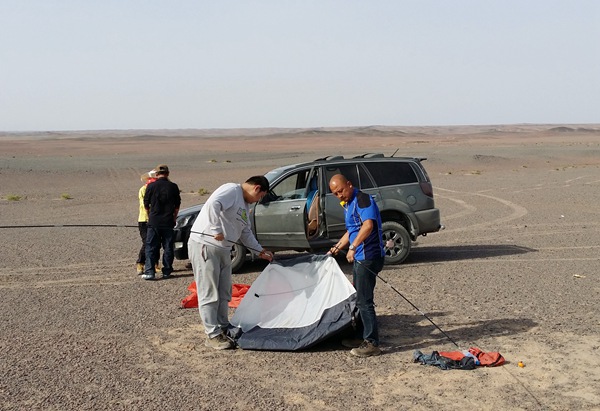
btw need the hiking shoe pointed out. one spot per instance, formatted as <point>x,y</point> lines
<point>220,342</point>
<point>366,349</point>
<point>352,342</point>
<point>140,268</point>
<point>148,276</point>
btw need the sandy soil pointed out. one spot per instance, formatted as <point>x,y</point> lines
<point>515,271</point>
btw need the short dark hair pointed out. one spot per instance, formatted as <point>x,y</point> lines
<point>259,181</point>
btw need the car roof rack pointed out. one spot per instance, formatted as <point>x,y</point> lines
<point>371,155</point>
<point>329,158</point>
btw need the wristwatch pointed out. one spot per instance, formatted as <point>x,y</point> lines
<point>351,247</point>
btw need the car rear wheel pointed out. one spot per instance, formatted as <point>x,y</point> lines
<point>238,257</point>
<point>396,242</point>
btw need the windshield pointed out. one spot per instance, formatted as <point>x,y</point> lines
<point>274,174</point>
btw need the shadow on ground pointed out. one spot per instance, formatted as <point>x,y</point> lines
<point>438,254</point>
<point>418,255</point>
<point>401,333</point>
<point>463,252</point>
<point>410,332</point>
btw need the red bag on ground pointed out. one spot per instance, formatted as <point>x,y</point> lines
<point>238,291</point>
<point>487,359</point>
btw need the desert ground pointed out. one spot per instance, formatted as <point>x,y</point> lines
<point>516,270</point>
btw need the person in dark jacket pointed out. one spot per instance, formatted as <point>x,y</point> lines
<point>162,201</point>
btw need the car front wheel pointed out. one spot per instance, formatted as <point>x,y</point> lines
<point>396,242</point>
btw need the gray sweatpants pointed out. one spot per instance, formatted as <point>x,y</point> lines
<point>212,272</point>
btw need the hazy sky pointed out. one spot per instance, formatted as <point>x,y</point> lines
<point>128,64</point>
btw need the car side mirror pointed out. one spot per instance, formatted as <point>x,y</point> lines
<point>270,196</point>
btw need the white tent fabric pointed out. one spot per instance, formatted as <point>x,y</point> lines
<point>294,304</point>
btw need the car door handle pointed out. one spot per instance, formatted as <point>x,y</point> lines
<point>295,208</point>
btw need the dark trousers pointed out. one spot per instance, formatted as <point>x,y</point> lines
<point>155,237</point>
<point>364,275</point>
<point>143,227</point>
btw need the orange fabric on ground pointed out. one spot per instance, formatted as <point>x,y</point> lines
<point>238,291</point>
<point>453,355</point>
<point>486,359</point>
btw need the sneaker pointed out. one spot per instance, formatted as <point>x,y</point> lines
<point>166,276</point>
<point>366,349</point>
<point>352,342</point>
<point>220,342</point>
<point>148,276</point>
<point>140,268</point>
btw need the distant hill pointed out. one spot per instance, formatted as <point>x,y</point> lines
<point>374,130</point>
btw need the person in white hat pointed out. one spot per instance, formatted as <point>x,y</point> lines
<point>146,178</point>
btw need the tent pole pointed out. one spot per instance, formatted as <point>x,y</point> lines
<point>407,300</point>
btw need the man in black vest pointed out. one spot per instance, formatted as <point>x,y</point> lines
<point>162,201</point>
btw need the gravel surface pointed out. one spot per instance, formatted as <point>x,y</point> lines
<point>515,271</point>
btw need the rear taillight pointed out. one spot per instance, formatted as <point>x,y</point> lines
<point>427,189</point>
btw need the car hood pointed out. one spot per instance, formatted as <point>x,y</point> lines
<point>190,210</point>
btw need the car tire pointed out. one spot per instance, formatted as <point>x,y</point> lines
<point>238,257</point>
<point>395,232</point>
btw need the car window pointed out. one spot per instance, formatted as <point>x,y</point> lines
<point>291,187</point>
<point>388,173</point>
<point>352,172</point>
<point>313,184</point>
<point>365,180</point>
